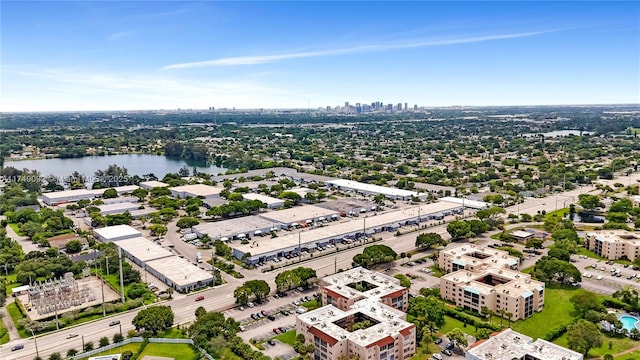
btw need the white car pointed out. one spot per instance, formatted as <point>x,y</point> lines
<point>599,277</point>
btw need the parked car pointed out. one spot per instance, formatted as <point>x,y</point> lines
<point>450,346</point>
<point>263,312</point>
<point>438,341</point>
<point>250,304</point>
<point>282,330</point>
<point>447,352</point>
<point>271,317</point>
<point>254,316</point>
<point>437,356</point>
<point>276,331</point>
<point>271,342</point>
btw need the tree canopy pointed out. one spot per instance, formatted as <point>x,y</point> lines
<point>154,319</point>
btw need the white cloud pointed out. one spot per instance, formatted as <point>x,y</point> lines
<point>263,59</point>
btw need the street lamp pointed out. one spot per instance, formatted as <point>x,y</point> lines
<point>35,342</point>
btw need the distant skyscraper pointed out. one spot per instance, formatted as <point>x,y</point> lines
<point>415,107</point>
<point>406,107</point>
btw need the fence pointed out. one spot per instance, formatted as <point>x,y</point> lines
<point>140,340</point>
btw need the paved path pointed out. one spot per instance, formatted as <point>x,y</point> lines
<point>8,323</point>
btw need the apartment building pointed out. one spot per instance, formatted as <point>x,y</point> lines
<point>472,257</point>
<point>613,245</point>
<point>511,345</point>
<point>368,329</point>
<point>485,278</point>
<point>344,289</point>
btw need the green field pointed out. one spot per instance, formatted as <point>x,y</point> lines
<point>133,347</point>
<point>451,323</point>
<point>288,338</point>
<point>15,314</point>
<point>558,310</point>
<point>176,351</point>
<point>311,304</point>
<point>630,356</point>
<point>617,345</point>
<point>16,229</point>
<point>5,338</point>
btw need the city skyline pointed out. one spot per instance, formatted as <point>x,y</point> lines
<point>83,56</point>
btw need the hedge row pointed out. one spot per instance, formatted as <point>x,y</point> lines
<point>468,319</point>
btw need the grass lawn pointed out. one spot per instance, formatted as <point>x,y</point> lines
<point>424,350</point>
<point>527,270</point>
<point>16,229</point>
<point>288,338</point>
<point>630,356</point>
<point>133,347</point>
<point>558,213</point>
<point>5,338</point>
<point>172,333</point>
<point>435,271</point>
<point>176,351</point>
<point>225,354</point>
<point>583,251</point>
<point>15,314</point>
<point>451,323</point>
<point>617,345</point>
<point>558,310</point>
<point>311,304</point>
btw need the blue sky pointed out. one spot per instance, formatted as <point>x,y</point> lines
<point>134,55</point>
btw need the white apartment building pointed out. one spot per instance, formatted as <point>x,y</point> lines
<point>510,345</point>
<point>614,245</point>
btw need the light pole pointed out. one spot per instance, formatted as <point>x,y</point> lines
<point>35,342</point>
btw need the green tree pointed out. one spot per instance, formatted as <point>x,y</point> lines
<point>88,346</point>
<point>429,240</point>
<point>110,193</point>
<point>287,280</point>
<point>582,336</point>
<point>259,288</point>
<point>589,202</point>
<point>72,352</point>
<point>153,319</point>
<point>55,356</point>
<point>104,341</point>
<point>118,337</point>
<point>585,301</point>
<point>375,254</point>
<point>73,246</point>
<point>187,222</point>
<point>459,229</point>
<point>241,294</point>
<point>457,336</point>
<point>404,280</point>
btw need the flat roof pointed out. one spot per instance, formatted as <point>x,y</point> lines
<point>522,234</point>
<point>390,321</point>
<point>339,229</point>
<point>494,257</point>
<point>112,232</point>
<point>198,189</point>
<point>616,236</point>
<point>474,204</point>
<point>509,345</point>
<point>518,284</point>
<point>297,214</point>
<point>384,284</point>
<point>371,188</point>
<point>153,183</point>
<point>119,206</point>
<point>67,193</point>
<point>144,249</point>
<point>179,271</point>
<point>264,198</point>
<point>232,227</point>
<point>347,204</point>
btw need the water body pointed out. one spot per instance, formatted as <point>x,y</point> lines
<point>560,133</point>
<point>136,164</point>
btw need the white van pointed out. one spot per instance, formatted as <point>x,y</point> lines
<point>301,310</point>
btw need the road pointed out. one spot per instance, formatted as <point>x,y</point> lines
<point>221,297</point>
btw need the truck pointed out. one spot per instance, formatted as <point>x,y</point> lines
<point>189,237</point>
<point>199,257</point>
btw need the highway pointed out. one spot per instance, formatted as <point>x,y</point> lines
<point>221,298</point>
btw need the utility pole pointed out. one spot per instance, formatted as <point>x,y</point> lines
<point>35,342</point>
<point>121,277</point>
<point>299,248</point>
<point>335,265</point>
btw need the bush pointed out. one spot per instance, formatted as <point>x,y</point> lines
<point>556,332</point>
<point>613,303</point>
<point>467,319</point>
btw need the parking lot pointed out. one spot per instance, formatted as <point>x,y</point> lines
<point>602,276</point>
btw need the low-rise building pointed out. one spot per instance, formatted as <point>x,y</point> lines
<point>371,189</point>
<point>196,190</point>
<point>511,345</point>
<point>115,233</point>
<point>483,278</point>
<point>361,323</point>
<point>272,203</point>
<point>614,245</point>
<point>343,289</point>
<point>148,185</point>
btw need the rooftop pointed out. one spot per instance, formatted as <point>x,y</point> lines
<point>180,271</point>
<point>264,198</point>
<point>464,254</point>
<point>360,282</point>
<point>372,188</point>
<point>487,280</point>
<point>153,184</point>
<point>231,227</point>
<point>386,322</point>
<point>617,236</point>
<point>144,249</point>
<point>197,190</point>
<point>508,345</point>
<point>124,206</point>
<point>474,204</point>
<point>112,232</point>
<point>297,214</point>
<point>336,230</point>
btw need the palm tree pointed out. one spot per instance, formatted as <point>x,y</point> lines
<point>491,315</point>
<point>508,315</point>
<point>501,312</point>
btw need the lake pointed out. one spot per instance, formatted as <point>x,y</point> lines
<point>136,164</point>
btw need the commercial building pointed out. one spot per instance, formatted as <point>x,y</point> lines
<point>363,326</point>
<point>484,278</point>
<point>148,185</point>
<point>511,345</point>
<point>370,189</point>
<point>67,196</point>
<point>467,203</point>
<point>272,203</point>
<point>196,190</point>
<point>236,229</point>
<point>613,245</point>
<point>115,233</point>
<point>320,230</point>
<point>343,289</point>
<point>179,273</point>
<point>118,208</point>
